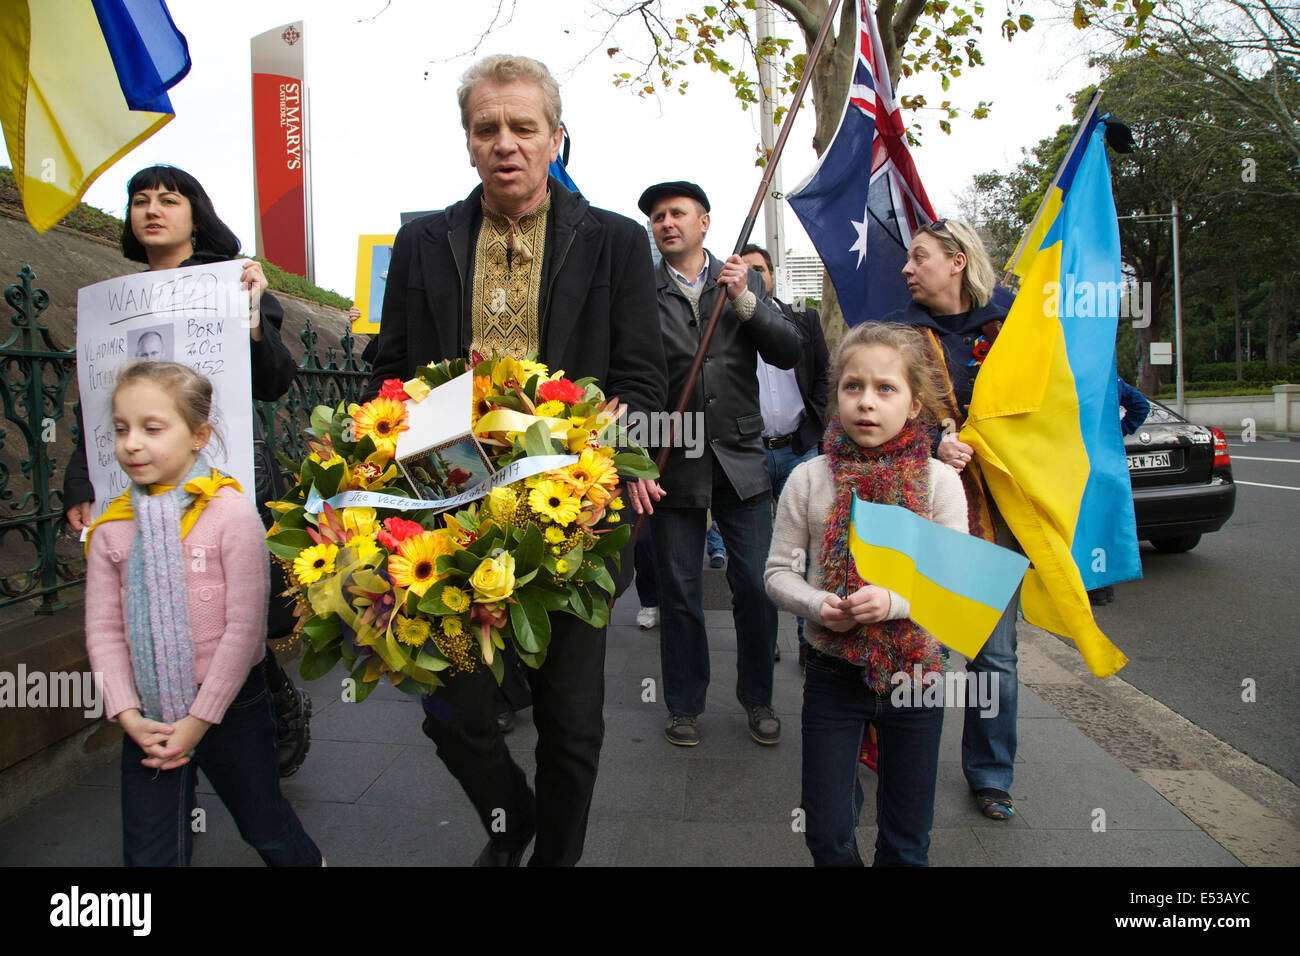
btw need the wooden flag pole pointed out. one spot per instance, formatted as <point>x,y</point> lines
<point>748,227</point>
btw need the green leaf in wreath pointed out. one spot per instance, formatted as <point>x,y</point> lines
<point>612,542</point>
<point>498,667</point>
<point>531,624</point>
<point>321,630</point>
<point>316,665</point>
<point>362,688</point>
<point>537,440</point>
<point>534,661</point>
<point>631,465</point>
<point>321,416</point>
<point>291,465</point>
<point>287,544</point>
<point>528,556</point>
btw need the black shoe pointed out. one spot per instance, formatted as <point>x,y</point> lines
<point>777,656</point>
<point>683,731</point>
<point>506,721</point>
<point>495,856</point>
<point>764,725</point>
<point>803,657</point>
<point>292,727</point>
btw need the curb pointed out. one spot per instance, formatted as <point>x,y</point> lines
<point>1250,810</point>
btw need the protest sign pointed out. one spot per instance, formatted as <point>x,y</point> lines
<point>196,315</point>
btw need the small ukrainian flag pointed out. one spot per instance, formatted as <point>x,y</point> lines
<point>958,584</point>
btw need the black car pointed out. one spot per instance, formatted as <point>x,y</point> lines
<point>1182,480</point>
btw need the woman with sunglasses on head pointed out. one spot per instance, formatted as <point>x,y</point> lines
<point>951,281</point>
<point>170,223</point>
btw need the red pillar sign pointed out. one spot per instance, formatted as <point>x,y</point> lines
<point>280,148</point>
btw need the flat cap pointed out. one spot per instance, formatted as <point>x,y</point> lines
<point>656,193</point>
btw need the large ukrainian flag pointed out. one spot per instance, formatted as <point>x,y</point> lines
<point>82,82</point>
<point>1044,419</point>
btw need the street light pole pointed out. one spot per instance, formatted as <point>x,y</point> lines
<point>1178,317</point>
<point>773,208</point>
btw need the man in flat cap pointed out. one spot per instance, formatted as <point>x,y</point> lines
<point>729,477</point>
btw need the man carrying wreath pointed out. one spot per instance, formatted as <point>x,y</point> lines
<point>524,266</point>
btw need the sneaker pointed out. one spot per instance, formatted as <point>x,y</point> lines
<point>292,727</point>
<point>764,725</point>
<point>717,560</point>
<point>647,618</point>
<point>683,731</point>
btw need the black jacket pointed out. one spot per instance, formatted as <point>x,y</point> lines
<point>727,390</point>
<point>597,315</point>
<point>273,370</point>
<point>813,375</point>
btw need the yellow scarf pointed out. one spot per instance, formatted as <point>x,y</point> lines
<point>120,509</point>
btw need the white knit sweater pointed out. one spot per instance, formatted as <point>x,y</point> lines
<point>801,524</point>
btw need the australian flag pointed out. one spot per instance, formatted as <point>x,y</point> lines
<point>864,199</point>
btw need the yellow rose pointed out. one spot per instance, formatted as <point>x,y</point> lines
<point>360,521</point>
<point>494,579</point>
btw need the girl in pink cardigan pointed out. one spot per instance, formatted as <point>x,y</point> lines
<point>176,592</point>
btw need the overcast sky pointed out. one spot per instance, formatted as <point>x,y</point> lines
<point>386,135</point>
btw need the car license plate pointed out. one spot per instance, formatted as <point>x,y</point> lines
<point>1158,459</point>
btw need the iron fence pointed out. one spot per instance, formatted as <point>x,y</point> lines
<point>40,556</point>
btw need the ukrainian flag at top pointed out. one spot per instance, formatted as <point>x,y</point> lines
<point>1044,418</point>
<point>82,82</point>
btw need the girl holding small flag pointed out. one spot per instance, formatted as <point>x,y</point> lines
<point>878,449</point>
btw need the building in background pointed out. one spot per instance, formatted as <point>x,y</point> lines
<point>803,275</point>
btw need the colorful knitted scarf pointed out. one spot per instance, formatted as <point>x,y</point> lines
<point>157,603</point>
<point>895,473</point>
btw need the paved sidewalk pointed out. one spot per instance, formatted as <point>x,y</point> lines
<point>374,792</point>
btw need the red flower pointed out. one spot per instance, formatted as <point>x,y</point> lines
<point>398,530</point>
<point>981,349</point>
<point>394,389</point>
<point>560,390</point>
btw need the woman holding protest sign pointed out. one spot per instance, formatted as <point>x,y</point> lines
<point>170,223</point>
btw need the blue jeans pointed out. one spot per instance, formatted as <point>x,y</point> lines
<point>780,462</point>
<point>836,707</point>
<point>746,528</point>
<point>713,541</point>
<point>239,758</point>
<point>988,744</point>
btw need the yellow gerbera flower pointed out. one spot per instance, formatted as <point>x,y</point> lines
<point>314,563</point>
<point>452,626</point>
<point>549,409</point>
<point>412,631</point>
<point>553,535</point>
<point>363,546</point>
<point>415,565</point>
<point>455,598</point>
<point>382,419</point>
<point>532,368</point>
<point>561,566</point>
<point>552,499</point>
